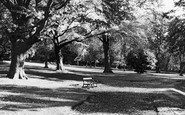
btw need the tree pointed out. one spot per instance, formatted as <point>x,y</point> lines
<point>42,52</point>
<point>28,18</point>
<point>115,11</point>
<point>67,28</point>
<point>158,40</point>
<point>4,41</point>
<point>113,14</point>
<point>90,51</point>
<point>137,59</point>
<point>4,47</point>
<point>157,22</point>
<point>176,40</point>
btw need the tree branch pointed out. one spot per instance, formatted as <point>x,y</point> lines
<point>63,5</point>
<point>68,42</point>
<point>62,41</point>
<point>67,29</point>
<point>100,39</point>
<point>27,2</point>
<point>35,37</point>
<point>101,33</point>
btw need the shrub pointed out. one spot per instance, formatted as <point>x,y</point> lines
<point>138,60</point>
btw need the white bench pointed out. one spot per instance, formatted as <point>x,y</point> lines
<point>89,81</point>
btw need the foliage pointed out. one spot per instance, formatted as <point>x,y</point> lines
<point>138,60</point>
<point>4,41</point>
<point>40,50</point>
<point>68,54</point>
<point>94,50</point>
<point>176,36</point>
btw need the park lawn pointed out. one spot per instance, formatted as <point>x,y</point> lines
<point>50,92</point>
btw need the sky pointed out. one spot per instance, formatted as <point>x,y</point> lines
<point>168,5</point>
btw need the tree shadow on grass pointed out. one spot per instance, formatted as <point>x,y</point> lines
<point>54,76</point>
<point>42,73</point>
<point>131,103</point>
<point>20,97</point>
<point>131,80</point>
<point>141,82</point>
<point>180,84</point>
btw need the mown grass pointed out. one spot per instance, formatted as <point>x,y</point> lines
<point>49,90</point>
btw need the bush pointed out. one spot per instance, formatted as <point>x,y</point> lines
<point>137,59</point>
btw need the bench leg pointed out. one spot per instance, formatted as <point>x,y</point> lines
<point>89,84</point>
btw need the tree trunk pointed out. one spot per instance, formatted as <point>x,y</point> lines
<point>62,63</point>
<point>46,55</point>
<point>46,64</point>
<point>16,70</point>
<point>182,66</point>
<point>167,63</point>
<point>107,67</point>
<point>59,60</point>
<point>157,67</point>
<point>46,61</point>
<point>157,63</point>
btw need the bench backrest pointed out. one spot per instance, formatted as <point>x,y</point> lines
<point>87,78</point>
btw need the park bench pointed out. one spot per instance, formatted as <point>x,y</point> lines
<point>89,82</point>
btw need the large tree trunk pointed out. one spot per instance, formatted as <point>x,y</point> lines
<point>16,70</point>
<point>26,32</point>
<point>59,60</point>
<point>167,63</point>
<point>60,64</point>
<point>107,67</point>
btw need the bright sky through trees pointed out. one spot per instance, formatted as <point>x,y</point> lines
<point>168,5</point>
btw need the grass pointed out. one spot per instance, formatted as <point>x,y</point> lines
<point>50,92</point>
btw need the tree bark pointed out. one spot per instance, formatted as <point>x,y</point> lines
<point>22,37</point>
<point>167,63</point>
<point>16,70</point>
<point>46,55</point>
<point>107,67</point>
<point>158,62</point>
<point>182,67</point>
<point>59,60</point>
<point>46,62</point>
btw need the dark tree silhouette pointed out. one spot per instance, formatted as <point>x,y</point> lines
<point>28,20</point>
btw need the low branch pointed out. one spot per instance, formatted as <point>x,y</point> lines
<point>62,41</point>
<point>101,33</point>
